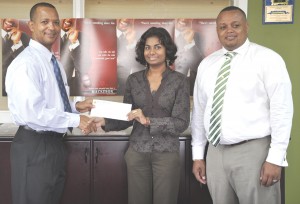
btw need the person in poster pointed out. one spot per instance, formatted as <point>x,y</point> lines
<point>189,47</point>
<point>13,43</point>
<point>126,42</point>
<point>74,52</point>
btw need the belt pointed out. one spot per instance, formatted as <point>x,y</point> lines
<point>239,143</point>
<point>48,133</point>
<point>245,141</point>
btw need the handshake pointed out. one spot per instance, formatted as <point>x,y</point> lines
<point>88,124</point>
<point>91,124</point>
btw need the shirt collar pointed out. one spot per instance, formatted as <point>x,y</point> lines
<point>119,33</point>
<point>240,50</point>
<point>177,33</point>
<point>62,33</point>
<point>41,48</point>
<point>3,33</point>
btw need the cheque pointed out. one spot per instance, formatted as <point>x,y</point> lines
<point>110,109</point>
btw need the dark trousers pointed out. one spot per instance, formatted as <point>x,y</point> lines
<point>37,167</point>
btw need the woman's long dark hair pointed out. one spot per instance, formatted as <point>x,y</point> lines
<point>164,38</point>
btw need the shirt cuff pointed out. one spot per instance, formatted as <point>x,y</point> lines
<point>189,46</point>
<point>74,45</point>
<point>277,156</point>
<point>73,106</point>
<point>17,46</point>
<point>198,152</point>
<point>74,120</point>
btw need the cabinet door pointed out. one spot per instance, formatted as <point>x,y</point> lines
<point>110,175</point>
<point>78,186</point>
<point>5,184</point>
<point>183,194</point>
<point>199,193</point>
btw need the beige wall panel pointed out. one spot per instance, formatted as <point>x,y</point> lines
<point>155,9</point>
<point>20,9</point>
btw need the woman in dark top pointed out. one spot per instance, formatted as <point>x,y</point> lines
<point>160,112</point>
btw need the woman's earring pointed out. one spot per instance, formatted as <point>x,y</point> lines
<point>168,62</point>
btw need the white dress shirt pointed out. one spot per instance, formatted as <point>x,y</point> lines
<point>33,95</point>
<point>257,102</point>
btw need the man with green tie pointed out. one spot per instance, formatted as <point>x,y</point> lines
<point>243,108</point>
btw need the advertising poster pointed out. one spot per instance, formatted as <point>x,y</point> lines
<point>15,37</point>
<point>128,33</point>
<point>99,54</point>
<point>195,39</point>
<point>88,54</point>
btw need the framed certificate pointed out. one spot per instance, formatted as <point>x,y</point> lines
<point>278,12</point>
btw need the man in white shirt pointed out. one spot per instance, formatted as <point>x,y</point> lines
<point>244,164</point>
<point>36,86</point>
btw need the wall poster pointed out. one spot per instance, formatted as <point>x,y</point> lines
<point>99,54</point>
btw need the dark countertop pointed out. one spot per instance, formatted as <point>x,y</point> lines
<point>9,130</point>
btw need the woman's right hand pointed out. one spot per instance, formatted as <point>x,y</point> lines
<point>139,116</point>
<point>98,121</point>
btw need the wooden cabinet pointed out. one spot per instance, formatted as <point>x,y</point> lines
<point>5,184</point>
<point>109,172</point>
<point>96,172</point>
<point>78,187</point>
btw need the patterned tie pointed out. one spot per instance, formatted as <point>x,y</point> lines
<point>217,105</point>
<point>65,37</point>
<point>6,37</point>
<point>61,87</point>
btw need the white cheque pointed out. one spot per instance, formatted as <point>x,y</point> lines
<point>109,109</point>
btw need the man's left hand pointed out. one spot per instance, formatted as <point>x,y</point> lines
<point>270,174</point>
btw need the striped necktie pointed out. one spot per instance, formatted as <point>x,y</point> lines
<point>217,105</point>
<point>61,87</point>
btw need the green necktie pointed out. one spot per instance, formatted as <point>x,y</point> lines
<point>217,105</point>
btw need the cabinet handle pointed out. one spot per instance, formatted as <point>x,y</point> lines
<point>86,154</point>
<point>97,154</point>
